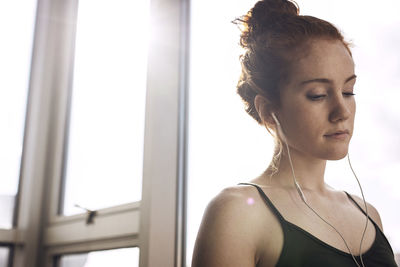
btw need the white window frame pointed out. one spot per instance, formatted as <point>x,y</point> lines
<point>156,224</point>
<point>163,213</point>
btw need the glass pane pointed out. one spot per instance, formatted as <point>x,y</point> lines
<point>126,257</point>
<point>246,148</point>
<point>16,30</point>
<point>4,256</point>
<point>105,146</point>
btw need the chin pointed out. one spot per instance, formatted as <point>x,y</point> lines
<point>339,157</point>
<point>336,155</point>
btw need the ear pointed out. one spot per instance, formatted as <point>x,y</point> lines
<point>264,108</point>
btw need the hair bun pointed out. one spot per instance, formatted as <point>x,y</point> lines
<point>265,16</point>
<point>271,9</point>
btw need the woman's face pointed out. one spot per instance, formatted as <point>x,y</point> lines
<point>317,101</point>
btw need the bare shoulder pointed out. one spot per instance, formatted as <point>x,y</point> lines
<point>372,211</point>
<point>229,234</point>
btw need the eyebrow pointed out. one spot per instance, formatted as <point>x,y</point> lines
<point>324,80</point>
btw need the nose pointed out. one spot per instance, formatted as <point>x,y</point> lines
<point>340,109</point>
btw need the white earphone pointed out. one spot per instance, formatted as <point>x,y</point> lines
<point>275,119</point>
<point>279,127</point>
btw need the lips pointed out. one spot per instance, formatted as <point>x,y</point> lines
<point>337,132</point>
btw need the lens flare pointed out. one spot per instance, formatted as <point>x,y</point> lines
<point>250,201</point>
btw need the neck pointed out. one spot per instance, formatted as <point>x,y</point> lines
<point>309,171</point>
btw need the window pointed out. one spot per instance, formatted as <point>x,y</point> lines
<point>17,30</point>
<point>236,149</point>
<point>4,256</point>
<point>96,129</point>
<point>7,205</point>
<point>126,257</point>
<point>146,175</point>
<point>105,136</point>
<point>17,34</point>
<point>113,156</point>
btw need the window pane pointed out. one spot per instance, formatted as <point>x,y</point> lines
<point>105,146</point>
<point>4,256</point>
<point>246,148</point>
<point>126,257</point>
<point>16,30</point>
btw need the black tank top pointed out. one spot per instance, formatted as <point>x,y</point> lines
<point>302,249</point>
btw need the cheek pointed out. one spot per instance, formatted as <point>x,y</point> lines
<point>352,107</point>
<point>304,122</point>
<point>353,114</point>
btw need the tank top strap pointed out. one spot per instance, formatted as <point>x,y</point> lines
<point>359,207</point>
<point>268,202</point>
<point>377,228</point>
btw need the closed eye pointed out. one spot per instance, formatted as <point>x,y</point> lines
<point>319,97</point>
<point>316,97</point>
<point>349,94</point>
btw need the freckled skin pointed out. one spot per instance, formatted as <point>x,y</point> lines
<point>305,122</point>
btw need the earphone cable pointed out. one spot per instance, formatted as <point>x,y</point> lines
<point>365,205</point>
<point>305,202</point>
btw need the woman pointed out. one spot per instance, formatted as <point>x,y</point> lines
<point>297,80</point>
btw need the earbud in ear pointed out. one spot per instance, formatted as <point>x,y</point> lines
<point>279,127</point>
<point>275,119</point>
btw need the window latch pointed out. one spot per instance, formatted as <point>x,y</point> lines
<point>90,214</point>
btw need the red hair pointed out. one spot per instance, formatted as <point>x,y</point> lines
<point>274,35</point>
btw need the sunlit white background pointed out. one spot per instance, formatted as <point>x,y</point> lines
<point>226,146</point>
